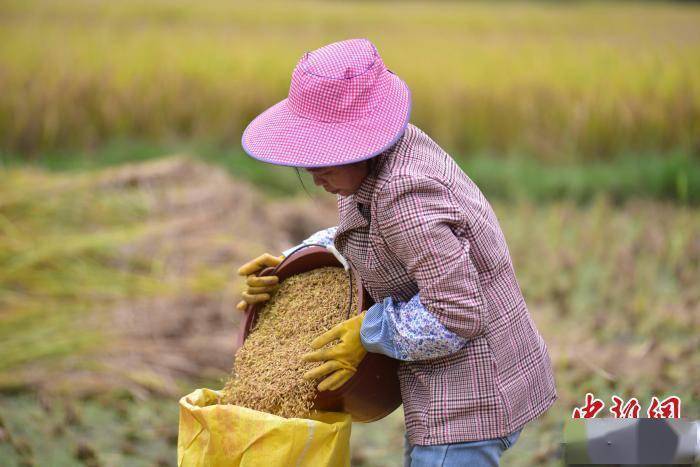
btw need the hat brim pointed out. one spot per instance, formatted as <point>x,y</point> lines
<point>279,136</point>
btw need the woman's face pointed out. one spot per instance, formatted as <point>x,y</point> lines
<point>342,180</point>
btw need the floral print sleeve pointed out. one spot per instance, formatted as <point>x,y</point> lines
<point>324,237</point>
<point>407,331</point>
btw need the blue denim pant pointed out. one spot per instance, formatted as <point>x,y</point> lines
<point>484,453</point>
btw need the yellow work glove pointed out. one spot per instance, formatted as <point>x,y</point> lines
<point>341,360</point>
<point>258,289</point>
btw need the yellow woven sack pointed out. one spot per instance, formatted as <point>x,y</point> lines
<point>216,435</point>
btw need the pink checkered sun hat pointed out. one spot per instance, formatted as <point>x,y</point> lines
<point>344,106</point>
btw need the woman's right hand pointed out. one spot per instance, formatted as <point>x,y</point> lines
<point>258,289</point>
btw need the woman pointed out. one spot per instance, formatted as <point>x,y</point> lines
<point>474,370</point>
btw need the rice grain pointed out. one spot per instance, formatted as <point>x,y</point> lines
<point>267,372</point>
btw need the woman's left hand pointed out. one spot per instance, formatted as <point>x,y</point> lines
<point>341,360</point>
<point>258,288</point>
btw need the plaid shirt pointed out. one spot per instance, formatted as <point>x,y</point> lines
<point>431,230</point>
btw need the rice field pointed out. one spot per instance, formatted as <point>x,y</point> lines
<point>553,80</point>
<point>579,120</point>
<point>118,290</point>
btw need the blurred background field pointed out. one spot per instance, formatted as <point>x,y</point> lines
<point>126,204</point>
<point>556,80</point>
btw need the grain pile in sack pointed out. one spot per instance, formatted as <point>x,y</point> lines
<point>215,435</point>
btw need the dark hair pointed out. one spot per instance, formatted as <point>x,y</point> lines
<point>302,182</point>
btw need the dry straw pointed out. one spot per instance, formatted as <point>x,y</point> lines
<point>267,372</point>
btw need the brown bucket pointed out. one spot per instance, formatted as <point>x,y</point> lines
<point>373,392</point>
